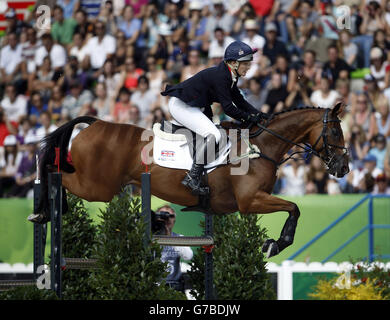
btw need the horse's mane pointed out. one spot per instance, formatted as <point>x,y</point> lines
<point>296,108</point>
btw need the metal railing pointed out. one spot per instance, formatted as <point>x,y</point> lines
<point>370,227</point>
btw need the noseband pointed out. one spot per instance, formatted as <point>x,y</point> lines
<point>330,158</point>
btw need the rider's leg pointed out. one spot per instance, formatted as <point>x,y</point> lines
<point>194,119</point>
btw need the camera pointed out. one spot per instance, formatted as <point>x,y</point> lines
<point>158,221</point>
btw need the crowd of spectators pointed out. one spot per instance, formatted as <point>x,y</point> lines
<point>111,59</point>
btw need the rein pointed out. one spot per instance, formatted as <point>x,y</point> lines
<point>306,148</point>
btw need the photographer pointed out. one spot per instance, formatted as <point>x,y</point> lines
<point>163,222</point>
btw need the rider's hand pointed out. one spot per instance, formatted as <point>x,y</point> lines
<point>256,118</point>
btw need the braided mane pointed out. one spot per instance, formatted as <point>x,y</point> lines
<point>297,108</point>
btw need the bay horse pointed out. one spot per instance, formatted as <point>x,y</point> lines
<point>106,156</point>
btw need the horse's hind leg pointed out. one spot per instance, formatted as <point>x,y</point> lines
<point>265,203</point>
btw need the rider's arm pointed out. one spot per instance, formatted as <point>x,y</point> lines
<point>241,103</point>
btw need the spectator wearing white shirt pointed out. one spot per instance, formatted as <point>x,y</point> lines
<point>143,97</point>
<point>14,105</point>
<point>29,49</point>
<point>219,43</point>
<point>55,51</point>
<point>255,41</point>
<point>10,59</point>
<point>324,97</point>
<point>99,48</point>
<point>46,125</point>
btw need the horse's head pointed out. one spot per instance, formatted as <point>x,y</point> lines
<point>328,142</point>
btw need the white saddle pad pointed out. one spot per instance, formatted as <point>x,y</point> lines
<point>172,151</point>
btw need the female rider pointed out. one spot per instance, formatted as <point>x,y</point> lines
<point>191,100</point>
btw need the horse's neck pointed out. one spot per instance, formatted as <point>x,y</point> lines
<point>293,126</point>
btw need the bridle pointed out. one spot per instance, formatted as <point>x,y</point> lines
<point>330,158</point>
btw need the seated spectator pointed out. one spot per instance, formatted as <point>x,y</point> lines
<point>36,107</point>
<point>362,113</point>
<point>379,151</point>
<point>69,7</point>
<point>358,146</point>
<point>83,27</point>
<point>120,113</point>
<point>317,177</point>
<point>26,172</point>
<point>176,22</point>
<point>129,77</point>
<point>55,103</point>
<point>78,102</point>
<point>55,51</point>
<point>46,125</point>
<point>133,117</point>
<point>348,49</point>
<point>381,186</point>
<point>43,79</point>
<point>155,75</point>
<point>358,175</point>
<point>150,24</point>
<point>78,47</point>
<point>273,47</point>
<point>373,92</point>
<point>6,126</point>
<point>177,59</point>
<point>219,43</point>
<point>293,176</point>
<point>194,66</point>
<point>304,22</point>
<point>14,105</point>
<point>25,128</point>
<point>275,96</point>
<point>336,67</point>
<point>378,66</point>
<point>196,26</point>
<point>10,59</point>
<point>366,184</point>
<point>29,48</point>
<point>255,96</point>
<point>380,120</point>
<point>220,18</point>
<point>111,79</point>
<point>143,97</point>
<point>9,165</point>
<point>99,48</point>
<point>324,97</point>
<point>163,48</point>
<point>63,28</point>
<point>130,25</point>
<point>102,103</point>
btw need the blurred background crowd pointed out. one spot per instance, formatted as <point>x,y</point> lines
<point>111,59</point>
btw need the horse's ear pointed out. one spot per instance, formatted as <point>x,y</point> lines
<point>338,108</point>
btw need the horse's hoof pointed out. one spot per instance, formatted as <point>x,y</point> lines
<point>37,218</point>
<point>270,248</point>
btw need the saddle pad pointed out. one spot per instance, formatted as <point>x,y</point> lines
<point>172,151</point>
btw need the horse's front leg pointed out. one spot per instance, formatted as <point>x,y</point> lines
<point>264,203</point>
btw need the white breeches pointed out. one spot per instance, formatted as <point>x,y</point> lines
<point>192,118</point>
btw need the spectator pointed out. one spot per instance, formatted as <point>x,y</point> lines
<point>219,43</point>
<point>380,120</point>
<point>14,104</point>
<point>6,126</point>
<point>46,125</point>
<point>196,26</point>
<point>129,77</point>
<point>317,178</point>
<point>178,58</point>
<point>381,185</point>
<point>130,25</point>
<point>348,49</point>
<point>63,28</point>
<point>111,79</point>
<point>293,176</point>
<point>194,66</point>
<point>100,47</point>
<point>143,97</point>
<point>155,74</point>
<point>121,109</point>
<point>25,128</point>
<point>163,48</point>
<point>91,7</point>
<point>365,174</point>
<point>35,108</point>
<point>103,104</point>
<point>55,103</point>
<point>26,172</point>
<point>176,22</point>
<point>273,47</point>
<point>10,59</point>
<point>29,48</point>
<point>83,27</point>
<point>378,66</point>
<point>373,92</point>
<point>255,96</point>
<point>55,51</point>
<point>150,24</point>
<point>43,79</point>
<point>219,19</point>
<point>362,113</point>
<point>9,165</point>
<point>78,102</point>
<point>324,97</point>
<point>78,47</point>
<point>69,7</point>
<point>275,96</point>
<point>379,151</point>
<point>358,146</point>
<point>336,67</point>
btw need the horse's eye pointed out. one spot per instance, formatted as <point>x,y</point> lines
<point>335,132</point>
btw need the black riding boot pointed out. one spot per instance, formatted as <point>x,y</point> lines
<point>193,179</point>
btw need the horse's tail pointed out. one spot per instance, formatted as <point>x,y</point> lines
<point>47,156</point>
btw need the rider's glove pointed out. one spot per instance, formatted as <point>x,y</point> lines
<point>256,118</point>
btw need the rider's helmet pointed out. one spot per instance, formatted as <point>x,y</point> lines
<point>239,51</point>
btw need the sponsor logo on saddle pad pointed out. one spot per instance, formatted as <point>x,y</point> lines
<point>167,154</point>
